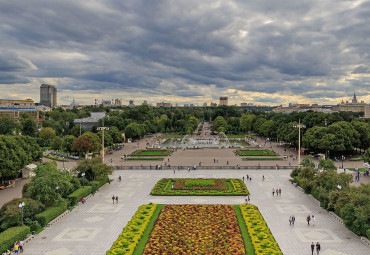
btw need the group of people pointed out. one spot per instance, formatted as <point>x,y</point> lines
<point>18,246</point>
<point>277,191</point>
<point>311,218</point>
<point>115,198</point>
<point>317,246</point>
<point>249,178</point>
<point>291,220</point>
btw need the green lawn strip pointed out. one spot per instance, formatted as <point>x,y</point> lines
<point>352,169</point>
<point>230,185</point>
<point>168,136</point>
<point>256,153</point>
<point>143,240</point>
<point>146,159</point>
<point>236,136</point>
<point>253,159</point>
<point>356,159</point>
<point>247,240</point>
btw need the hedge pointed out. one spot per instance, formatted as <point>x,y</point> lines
<point>50,214</point>
<point>78,194</point>
<point>9,236</point>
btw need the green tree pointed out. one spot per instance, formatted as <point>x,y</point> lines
<point>43,186</point>
<point>75,131</point>
<point>366,156</point>
<point>191,124</point>
<point>94,169</point>
<point>308,162</point>
<point>246,122</point>
<point>7,126</point>
<point>29,125</point>
<point>133,130</point>
<point>327,164</point>
<point>57,143</point>
<point>68,142</point>
<point>219,124</point>
<point>47,134</point>
<point>95,140</point>
<point>115,134</point>
<point>108,140</point>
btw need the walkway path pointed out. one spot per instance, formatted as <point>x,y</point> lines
<point>92,228</point>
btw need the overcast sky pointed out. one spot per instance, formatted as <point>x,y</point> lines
<point>254,51</point>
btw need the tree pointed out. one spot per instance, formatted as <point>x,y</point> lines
<point>308,162</point>
<point>56,143</point>
<point>43,186</point>
<point>246,122</point>
<point>133,130</point>
<point>47,134</point>
<point>219,124</point>
<point>83,144</point>
<point>191,124</point>
<point>29,125</point>
<point>366,156</point>
<point>327,164</point>
<point>108,140</point>
<point>68,142</point>
<point>7,126</point>
<point>115,134</point>
<point>95,140</point>
<point>75,131</point>
<point>94,169</point>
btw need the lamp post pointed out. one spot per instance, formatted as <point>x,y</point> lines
<point>103,128</point>
<point>299,126</point>
<point>21,206</point>
<point>63,163</point>
<point>83,176</point>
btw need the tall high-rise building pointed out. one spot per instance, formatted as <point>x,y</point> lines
<point>48,95</point>
<point>223,101</point>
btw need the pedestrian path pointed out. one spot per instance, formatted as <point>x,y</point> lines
<point>93,227</point>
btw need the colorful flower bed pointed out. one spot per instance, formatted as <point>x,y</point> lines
<point>200,184</point>
<point>177,187</point>
<point>196,229</point>
<point>131,234</point>
<point>262,239</point>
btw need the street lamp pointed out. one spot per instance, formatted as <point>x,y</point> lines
<point>103,128</point>
<point>63,163</point>
<point>21,206</point>
<point>83,176</point>
<point>299,126</point>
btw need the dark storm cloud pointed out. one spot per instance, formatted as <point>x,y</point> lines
<point>282,46</point>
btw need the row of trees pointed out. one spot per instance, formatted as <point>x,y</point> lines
<point>15,153</point>
<point>335,194</point>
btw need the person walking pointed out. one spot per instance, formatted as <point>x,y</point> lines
<point>113,198</point>
<point>308,220</point>
<point>16,247</point>
<point>120,178</point>
<point>312,247</point>
<point>246,200</point>
<point>116,199</point>
<point>279,192</point>
<point>293,219</point>
<point>313,220</point>
<point>273,192</point>
<point>243,178</point>
<point>263,177</point>
<point>290,220</point>
<point>318,248</point>
<point>21,243</point>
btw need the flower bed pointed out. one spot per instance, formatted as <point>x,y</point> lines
<point>255,153</point>
<point>151,152</point>
<point>177,187</point>
<point>196,229</point>
<point>131,234</point>
<point>262,239</point>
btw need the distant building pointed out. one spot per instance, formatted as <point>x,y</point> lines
<point>223,101</point>
<point>367,112</point>
<point>163,104</point>
<point>145,102</point>
<point>15,111</point>
<point>243,104</point>
<point>204,105</point>
<point>213,104</point>
<point>90,122</point>
<point>303,108</point>
<point>131,103</point>
<point>27,102</point>
<point>48,95</point>
<point>353,106</point>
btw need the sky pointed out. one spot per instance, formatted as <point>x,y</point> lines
<point>186,51</point>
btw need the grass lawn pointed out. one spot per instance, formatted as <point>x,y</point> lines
<point>254,159</point>
<point>255,153</point>
<point>247,240</point>
<point>145,159</point>
<point>356,159</point>
<point>236,136</point>
<point>362,169</point>
<point>151,152</point>
<point>178,187</point>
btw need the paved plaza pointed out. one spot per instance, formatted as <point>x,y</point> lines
<point>93,227</point>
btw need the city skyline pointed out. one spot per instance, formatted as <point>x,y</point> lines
<point>186,52</point>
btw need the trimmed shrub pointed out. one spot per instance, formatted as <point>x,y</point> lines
<point>51,213</point>
<point>9,236</point>
<point>78,194</point>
